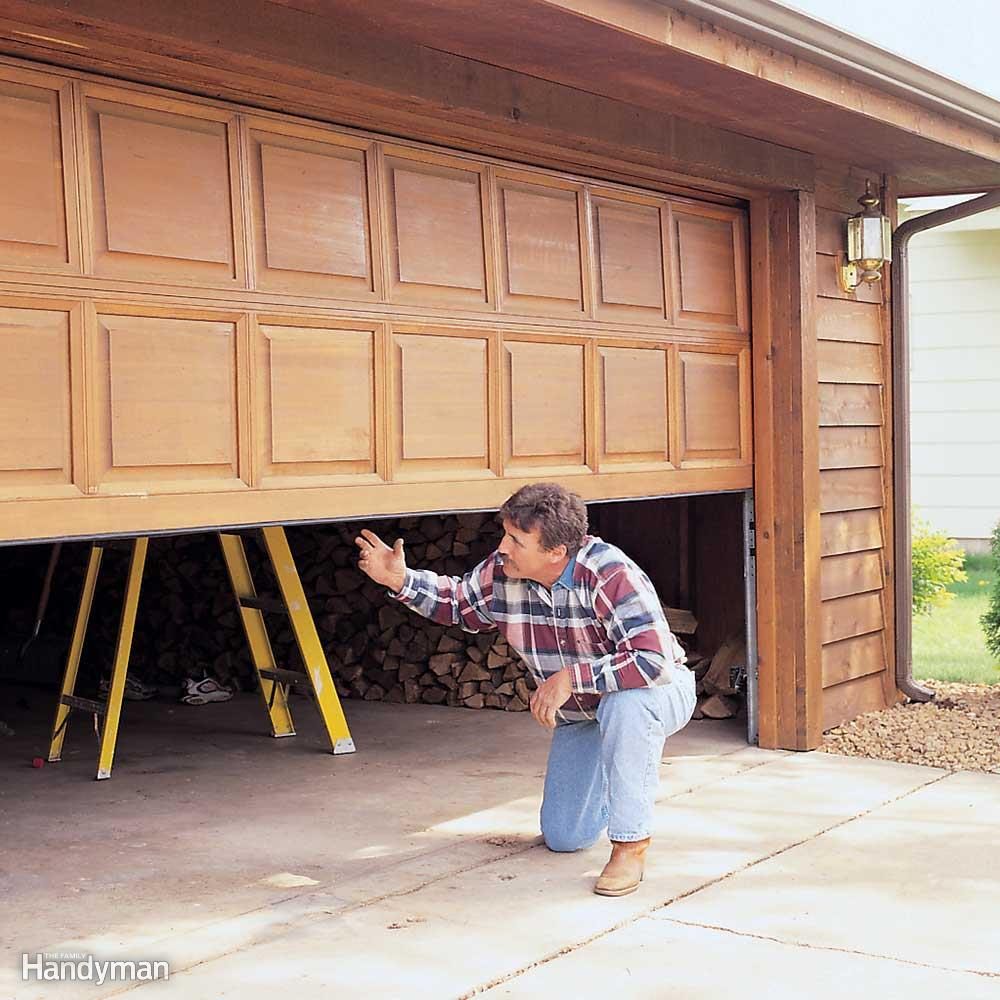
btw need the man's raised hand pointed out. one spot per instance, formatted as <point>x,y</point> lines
<point>382,564</point>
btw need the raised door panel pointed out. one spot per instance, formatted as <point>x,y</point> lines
<point>713,405</point>
<point>709,267</point>
<point>440,415</point>
<point>541,259</point>
<point>435,218</point>
<point>35,175</point>
<point>316,404</point>
<point>546,411</point>
<point>161,183</point>
<point>39,368</point>
<point>165,397</point>
<point>311,214</point>
<point>628,250</point>
<point>633,388</point>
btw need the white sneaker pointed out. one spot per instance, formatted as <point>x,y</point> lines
<point>135,689</point>
<point>201,692</point>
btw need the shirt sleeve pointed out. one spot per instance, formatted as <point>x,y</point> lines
<point>645,651</point>
<point>452,600</point>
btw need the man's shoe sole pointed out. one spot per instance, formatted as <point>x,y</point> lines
<point>618,892</point>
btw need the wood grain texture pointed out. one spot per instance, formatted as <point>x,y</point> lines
<point>848,319</point>
<point>310,201</point>
<point>850,364</point>
<point>856,614</point>
<point>851,531</point>
<point>708,256</point>
<point>37,395</point>
<point>850,447</point>
<point>852,573</point>
<point>633,394</point>
<point>629,253</point>
<point>434,210</point>
<point>786,471</point>
<point>316,400</point>
<point>545,400</point>
<point>38,186</point>
<point>442,382</point>
<point>850,489</point>
<point>849,659</point>
<point>850,405</point>
<point>165,403</point>
<point>324,308</point>
<point>854,697</point>
<point>314,209</point>
<point>710,406</point>
<point>162,189</point>
<point>540,251</point>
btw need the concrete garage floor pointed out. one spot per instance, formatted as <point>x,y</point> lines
<point>773,875</point>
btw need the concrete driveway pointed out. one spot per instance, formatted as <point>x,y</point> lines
<point>261,868</point>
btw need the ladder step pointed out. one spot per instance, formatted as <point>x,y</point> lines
<point>285,676</point>
<point>85,704</point>
<point>270,604</point>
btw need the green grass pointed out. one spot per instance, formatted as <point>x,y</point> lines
<point>948,643</point>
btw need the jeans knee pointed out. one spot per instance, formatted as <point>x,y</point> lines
<point>565,845</point>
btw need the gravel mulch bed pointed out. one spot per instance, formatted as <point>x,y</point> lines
<point>959,730</point>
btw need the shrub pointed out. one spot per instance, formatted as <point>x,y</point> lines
<point>991,620</point>
<point>937,563</point>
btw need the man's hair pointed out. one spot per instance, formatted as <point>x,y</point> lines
<point>560,516</point>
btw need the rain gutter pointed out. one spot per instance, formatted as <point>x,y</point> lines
<point>901,426</point>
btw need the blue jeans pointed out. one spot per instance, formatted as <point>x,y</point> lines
<point>604,773</point>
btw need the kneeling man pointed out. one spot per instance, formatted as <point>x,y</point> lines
<point>611,677</point>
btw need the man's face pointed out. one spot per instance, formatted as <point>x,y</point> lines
<point>525,559</point>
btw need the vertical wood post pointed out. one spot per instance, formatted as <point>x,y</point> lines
<point>786,477</point>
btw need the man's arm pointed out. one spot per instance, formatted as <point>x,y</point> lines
<point>447,600</point>
<point>645,650</point>
<point>451,600</point>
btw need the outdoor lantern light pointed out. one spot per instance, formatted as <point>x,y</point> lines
<point>869,242</point>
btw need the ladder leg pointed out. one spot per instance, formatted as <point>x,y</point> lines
<point>75,649</point>
<point>304,628</point>
<point>275,699</point>
<point>123,650</point>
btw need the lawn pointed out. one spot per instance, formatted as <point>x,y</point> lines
<point>948,643</point>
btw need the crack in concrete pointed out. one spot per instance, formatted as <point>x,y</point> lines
<point>805,945</point>
<point>307,914</point>
<point>577,946</point>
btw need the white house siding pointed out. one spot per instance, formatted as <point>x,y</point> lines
<point>955,375</point>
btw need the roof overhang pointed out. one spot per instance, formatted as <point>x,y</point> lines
<point>748,79</point>
<point>747,66</point>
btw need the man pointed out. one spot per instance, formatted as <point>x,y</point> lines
<point>611,678</point>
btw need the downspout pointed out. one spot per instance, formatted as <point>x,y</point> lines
<point>901,426</point>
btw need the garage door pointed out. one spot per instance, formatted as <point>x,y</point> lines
<point>212,315</point>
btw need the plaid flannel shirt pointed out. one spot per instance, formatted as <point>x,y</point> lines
<point>602,619</point>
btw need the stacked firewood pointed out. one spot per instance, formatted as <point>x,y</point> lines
<point>378,650</point>
<point>721,680</point>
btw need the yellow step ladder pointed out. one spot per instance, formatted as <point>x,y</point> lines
<point>273,681</point>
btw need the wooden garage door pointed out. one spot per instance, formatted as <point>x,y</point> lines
<point>210,315</point>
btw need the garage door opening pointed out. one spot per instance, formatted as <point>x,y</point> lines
<point>188,628</point>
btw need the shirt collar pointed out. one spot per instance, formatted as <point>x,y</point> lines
<point>566,577</point>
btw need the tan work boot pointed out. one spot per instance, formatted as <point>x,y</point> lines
<point>623,872</point>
